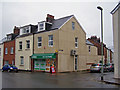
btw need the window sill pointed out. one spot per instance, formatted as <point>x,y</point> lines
<point>27,49</point>
<point>40,47</point>
<point>20,50</point>
<point>21,64</point>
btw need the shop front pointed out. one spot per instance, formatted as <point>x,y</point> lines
<point>43,61</point>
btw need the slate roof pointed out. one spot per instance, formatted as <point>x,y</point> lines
<point>89,43</point>
<point>57,23</point>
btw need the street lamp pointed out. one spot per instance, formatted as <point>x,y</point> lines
<point>101,38</point>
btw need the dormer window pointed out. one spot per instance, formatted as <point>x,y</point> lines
<point>41,26</point>
<point>9,37</point>
<point>25,30</point>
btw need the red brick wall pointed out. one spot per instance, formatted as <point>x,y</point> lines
<point>9,56</point>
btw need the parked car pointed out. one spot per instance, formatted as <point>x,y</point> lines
<point>110,67</point>
<point>98,68</point>
<point>9,68</point>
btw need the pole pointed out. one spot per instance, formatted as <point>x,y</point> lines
<point>102,40</point>
<point>102,43</point>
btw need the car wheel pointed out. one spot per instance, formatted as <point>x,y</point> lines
<point>9,70</point>
<point>91,71</point>
<point>17,71</point>
<point>100,71</point>
<point>2,70</point>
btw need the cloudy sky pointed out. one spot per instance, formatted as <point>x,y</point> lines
<point>24,12</point>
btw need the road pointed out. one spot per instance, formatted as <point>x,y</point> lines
<point>47,80</point>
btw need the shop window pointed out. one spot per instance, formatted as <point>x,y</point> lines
<point>20,45</point>
<point>50,42</point>
<point>11,50</point>
<point>76,42</point>
<point>39,42</point>
<point>6,50</point>
<point>28,44</point>
<point>21,60</point>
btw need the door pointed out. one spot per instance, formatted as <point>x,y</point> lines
<point>76,59</point>
<point>42,64</point>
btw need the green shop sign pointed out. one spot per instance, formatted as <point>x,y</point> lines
<point>44,56</point>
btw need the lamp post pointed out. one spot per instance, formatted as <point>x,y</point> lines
<point>101,38</point>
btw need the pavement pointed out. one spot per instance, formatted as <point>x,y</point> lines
<point>109,79</point>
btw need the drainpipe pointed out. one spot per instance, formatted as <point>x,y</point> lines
<point>32,62</point>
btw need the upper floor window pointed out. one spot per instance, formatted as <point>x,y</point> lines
<point>50,42</point>
<point>73,25</point>
<point>39,41</point>
<point>20,45</point>
<point>89,49</point>
<point>11,50</point>
<point>25,30</point>
<point>28,44</point>
<point>9,37</point>
<point>41,26</point>
<point>6,50</point>
<point>76,42</point>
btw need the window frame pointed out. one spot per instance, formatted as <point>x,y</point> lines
<point>73,25</point>
<point>6,50</point>
<point>50,40</point>
<point>21,60</point>
<point>27,44</point>
<point>39,42</point>
<point>11,50</point>
<point>76,42</point>
<point>20,45</point>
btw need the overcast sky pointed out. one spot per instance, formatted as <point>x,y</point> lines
<point>20,13</point>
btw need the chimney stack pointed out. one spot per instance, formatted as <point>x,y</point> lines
<point>49,18</point>
<point>16,30</point>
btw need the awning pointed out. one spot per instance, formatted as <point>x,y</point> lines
<point>44,56</point>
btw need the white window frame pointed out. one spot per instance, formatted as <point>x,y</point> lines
<point>73,25</point>
<point>76,42</point>
<point>20,45</point>
<point>6,50</point>
<point>21,60</point>
<point>28,44</point>
<point>39,42</point>
<point>11,50</point>
<point>41,28</point>
<point>50,40</point>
